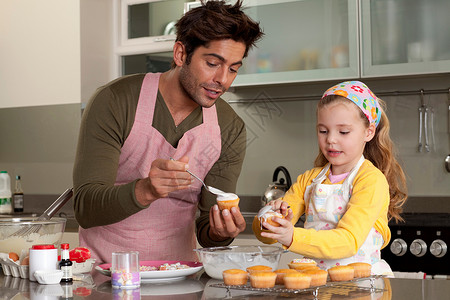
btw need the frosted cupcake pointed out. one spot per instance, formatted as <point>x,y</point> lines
<point>227,201</point>
<point>302,263</point>
<point>268,217</point>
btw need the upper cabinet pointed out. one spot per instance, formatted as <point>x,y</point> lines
<point>145,34</point>
<point>145,23</point>
<point>39,53</point>
<point>305,40</point>
<point>53,52</point>
<point>405,37</point>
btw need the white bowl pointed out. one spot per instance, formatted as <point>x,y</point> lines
<point>84,267</point>
<point>218,259</point>
<point>48,276</point>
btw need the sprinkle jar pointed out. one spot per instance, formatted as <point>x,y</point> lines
<point>125,270</point>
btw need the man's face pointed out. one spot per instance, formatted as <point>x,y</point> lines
<point>211,71</point>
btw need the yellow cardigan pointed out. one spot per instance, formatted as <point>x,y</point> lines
<point>367,208</point>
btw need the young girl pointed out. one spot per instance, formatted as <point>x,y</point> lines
<point>357,185</point>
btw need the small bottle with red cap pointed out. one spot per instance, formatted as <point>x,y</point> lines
<point>65,264</point>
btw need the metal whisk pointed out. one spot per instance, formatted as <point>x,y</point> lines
<point>47,215</point>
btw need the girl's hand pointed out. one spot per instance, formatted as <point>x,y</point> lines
<point>284,233</point>
<point>280,206</point>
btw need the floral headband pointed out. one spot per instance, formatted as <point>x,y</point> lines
<point>361,95</point>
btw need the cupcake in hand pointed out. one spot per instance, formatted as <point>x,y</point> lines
<point>227,201</point>
<point>266,214</point>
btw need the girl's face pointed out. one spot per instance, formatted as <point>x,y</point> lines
<point>342,134</point>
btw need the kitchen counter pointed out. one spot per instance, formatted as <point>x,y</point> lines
<point>97,286</point>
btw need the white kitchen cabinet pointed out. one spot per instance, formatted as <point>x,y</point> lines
<point>145,34</point>
<point>148,22</point>
<point>405,37</point>
<point>305,40</point>
<point>317,40</point>
<point>52,51</point>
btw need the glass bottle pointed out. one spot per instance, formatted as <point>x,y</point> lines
<point>65,264</point>
<point>5,193</point>
<point>18,196</point>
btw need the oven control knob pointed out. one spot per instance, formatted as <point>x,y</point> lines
<point>399,247</point>
<point>418,248</point>
<point>438,248</point>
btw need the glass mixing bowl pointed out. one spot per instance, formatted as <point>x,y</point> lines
<point>40,232</point>
<point>215,260</point>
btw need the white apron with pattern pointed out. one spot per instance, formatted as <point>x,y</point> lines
<point>325,206</point>
<point>165,230</point>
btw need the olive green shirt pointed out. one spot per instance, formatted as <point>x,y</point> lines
<point>106,124</point>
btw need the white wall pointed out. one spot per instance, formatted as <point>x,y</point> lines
<point>283,133</point>
<point>40,52</point>
<point>96,45</point>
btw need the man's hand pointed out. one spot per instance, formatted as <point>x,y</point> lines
<point>225,224</point>
<point>165,176</point>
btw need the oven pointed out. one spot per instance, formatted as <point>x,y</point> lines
<point>420,244</point>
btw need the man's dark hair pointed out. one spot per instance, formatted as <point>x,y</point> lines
<point>216,20</point>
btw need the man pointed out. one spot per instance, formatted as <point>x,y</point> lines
<point>140,133</point>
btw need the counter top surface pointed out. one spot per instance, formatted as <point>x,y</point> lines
<point>199,286</point>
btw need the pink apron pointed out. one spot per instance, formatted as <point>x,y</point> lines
<point>165,230</point>
<point>326,204</point>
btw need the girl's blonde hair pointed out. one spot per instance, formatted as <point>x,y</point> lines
<point>382,153</point>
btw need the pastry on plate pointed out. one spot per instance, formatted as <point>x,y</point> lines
<point>318,277</point>
<point>341,273</point>
<point>297,281</point>
<point>259,268</point>
<point>235,277</point>
<point>262,280</point>
<point>361,269</point>
<point>280,275</point>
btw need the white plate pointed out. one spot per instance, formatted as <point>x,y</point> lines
<point>159,276</point>
<point>183,287</point>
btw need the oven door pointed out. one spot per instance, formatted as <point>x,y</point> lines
<point>420,244</point>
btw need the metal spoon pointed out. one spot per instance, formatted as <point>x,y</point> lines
<point>210,189</point>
